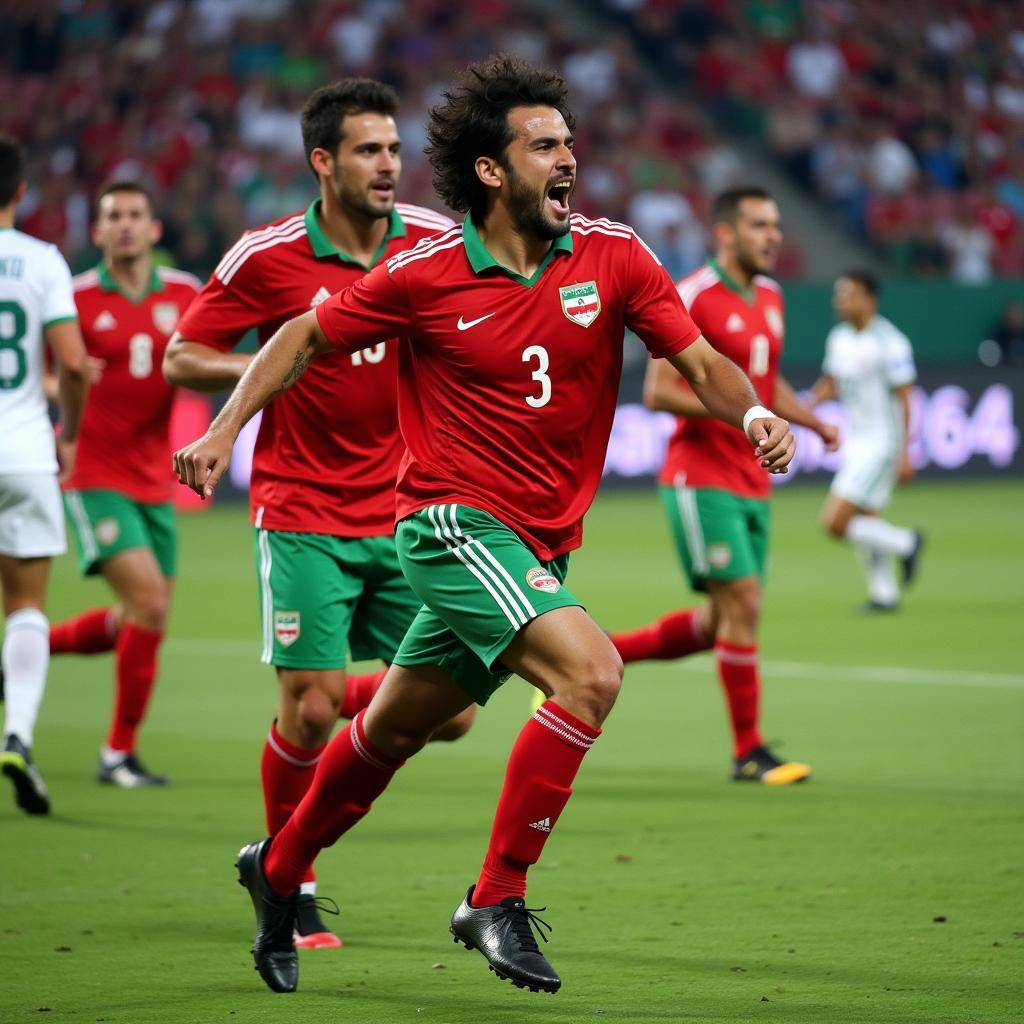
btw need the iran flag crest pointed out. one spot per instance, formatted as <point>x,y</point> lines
<point>287,626</point>
<point>165,316</point>
<point>581,303</point>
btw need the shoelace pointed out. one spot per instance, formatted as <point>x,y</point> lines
<point>324,904</point>
<point>522,918</point>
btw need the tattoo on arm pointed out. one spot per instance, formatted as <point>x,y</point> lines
<point>298,368</point>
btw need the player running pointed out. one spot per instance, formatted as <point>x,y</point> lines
<point>36,306</point>
<point>118,497</point>
<point>715,497</point>
<point>513,327</point>
<point>869,366</point>
<point>322,493</point>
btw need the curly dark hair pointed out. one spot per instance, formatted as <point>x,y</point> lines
<point>473,122</point>
<point>331,104</point>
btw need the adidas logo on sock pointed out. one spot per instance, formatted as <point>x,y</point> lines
<point>544,825</point>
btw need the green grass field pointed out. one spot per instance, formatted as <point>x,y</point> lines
<point>889,888</point>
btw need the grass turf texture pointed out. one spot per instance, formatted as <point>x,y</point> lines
<point>887,889</point>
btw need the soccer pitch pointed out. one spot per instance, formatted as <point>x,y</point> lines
<point>888,888</point>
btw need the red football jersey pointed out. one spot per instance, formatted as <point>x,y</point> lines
<point>328,449</point>
<point>748,328</point>
<point>507,386</point>
<point>124,444</point>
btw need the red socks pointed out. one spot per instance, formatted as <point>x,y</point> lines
<point>349,777</point>
<point>674,636</point>
<point>359,691</point>
<point>136,670</point>
<point>738,670</point>
<point>92,632</point>
<point>287,772</point>
<point>538,784</point>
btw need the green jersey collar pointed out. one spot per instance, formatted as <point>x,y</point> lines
<point>323,247</point>
<point>747,294</point>
<point>480,259</point>
<point>108,284</point>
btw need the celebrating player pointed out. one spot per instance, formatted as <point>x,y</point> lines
<point>513,327</point>
<point>323,482</point>
<point>869,366</point>
<point>36,304</point>
<point>717,498</point>
<point>118,497</point>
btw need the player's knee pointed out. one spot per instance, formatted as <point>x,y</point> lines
<point>150,608</point>
<point>599,684</point>
<point>403,743</point>
<point>456,727</point>
<point>833,526</point>
<point>317,714</point>
<point>742,603</point>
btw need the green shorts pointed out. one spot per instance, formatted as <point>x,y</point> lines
<point>480,585</point>
<point>324,597</point>
<point>107,522</point>
<point>718,535</point>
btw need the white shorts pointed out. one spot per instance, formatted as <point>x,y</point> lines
<point>866,477</point>
<point>31,516</point>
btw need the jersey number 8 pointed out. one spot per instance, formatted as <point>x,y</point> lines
<point>140,356</point>
<point>13,324</point>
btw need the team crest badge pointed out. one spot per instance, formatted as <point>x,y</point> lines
<point>165,316</point>
<point>107,531</point>
<point>541,579</point>
<point>719,555</point>
<point>774,320</point>
<point>581,303</point>
<point>287,626</point>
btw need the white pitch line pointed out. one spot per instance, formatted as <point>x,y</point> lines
<point>877,674</point>
<point>194,647</point>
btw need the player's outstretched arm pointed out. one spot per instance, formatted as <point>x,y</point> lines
<point>726,392</point>
<point>277,366</point>
<point>665,391</point>
<point>191,364</point>
<point>787,403</point>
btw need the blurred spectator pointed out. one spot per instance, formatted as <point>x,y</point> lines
<point>1009,333</point>
<point>816,67</point>
<point>970,248</point>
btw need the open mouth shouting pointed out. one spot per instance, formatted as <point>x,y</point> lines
<point>558,196</point>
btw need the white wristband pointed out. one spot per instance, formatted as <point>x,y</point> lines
<point>755,412</point>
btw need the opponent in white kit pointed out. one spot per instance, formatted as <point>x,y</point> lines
<point>36,303</point>
<point>869,367</point>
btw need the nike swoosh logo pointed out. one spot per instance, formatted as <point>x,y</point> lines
<point>464,325</point>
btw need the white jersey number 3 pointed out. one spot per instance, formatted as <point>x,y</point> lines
<point>540,353</point>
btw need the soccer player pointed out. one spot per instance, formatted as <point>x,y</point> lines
<point>36,306</point>
<point>869,366</point>
<point>717,500</point>
<point>118,497</point>
<point>513,326</point>
<point>323,483</point>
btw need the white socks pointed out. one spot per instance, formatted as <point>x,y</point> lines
<point>26,658</point>
<point>882,586</point>
<point>877,534</point>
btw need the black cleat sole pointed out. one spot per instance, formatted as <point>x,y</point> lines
<point>500,975</point>
<point>25,794</point>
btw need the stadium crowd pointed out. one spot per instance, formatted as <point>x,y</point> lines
<point>201,100</point>
<point>909,127</point>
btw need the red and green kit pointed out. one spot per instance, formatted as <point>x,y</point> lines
<point>507,386</point>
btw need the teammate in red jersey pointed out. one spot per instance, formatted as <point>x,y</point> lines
<point>322,492</point>
<point>513,327</point>
<point>118,497</point>
<point>717,500</point>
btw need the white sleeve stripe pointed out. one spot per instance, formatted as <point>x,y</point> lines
<point>412,255</point>
<point>252,237</point>
<point>225,276</point>
<point>690,287</point>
